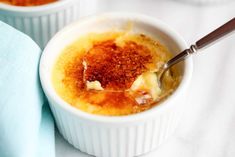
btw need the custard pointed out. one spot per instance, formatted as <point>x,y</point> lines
<point>27,2</point>
<point>113,73</point>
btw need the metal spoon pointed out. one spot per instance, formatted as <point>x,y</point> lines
<point>203,42</point>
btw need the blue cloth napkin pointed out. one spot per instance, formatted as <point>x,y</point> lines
<point>26,124</point>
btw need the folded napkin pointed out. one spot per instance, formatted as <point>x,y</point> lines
<point>26,125</point>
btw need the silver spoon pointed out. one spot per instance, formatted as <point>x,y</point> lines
<point>203,42</point>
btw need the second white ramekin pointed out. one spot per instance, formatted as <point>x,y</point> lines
<point>121,136</point>
<point>41,22</point>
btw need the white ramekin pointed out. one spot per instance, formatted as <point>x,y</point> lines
<point>41,22</point>
<point>121,136</point>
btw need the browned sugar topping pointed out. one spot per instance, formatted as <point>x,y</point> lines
<point>116,67</point>
<point>27,2</point>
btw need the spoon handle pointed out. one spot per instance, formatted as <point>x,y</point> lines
<point>216,34</point>
<point>205,41</point>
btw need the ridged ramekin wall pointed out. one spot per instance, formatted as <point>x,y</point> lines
<point>41,24</point>
<point>117,140</point>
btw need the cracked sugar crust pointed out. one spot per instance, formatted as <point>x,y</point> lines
<point>116,67</point>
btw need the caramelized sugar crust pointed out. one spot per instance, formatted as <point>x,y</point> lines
<point>27,2</point>
<point>116,67</point>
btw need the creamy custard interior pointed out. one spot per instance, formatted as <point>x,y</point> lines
<point>27,2</point>
<point>112,73</point>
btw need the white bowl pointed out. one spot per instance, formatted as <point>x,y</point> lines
<point>120,136</point>
<point>41,22</point>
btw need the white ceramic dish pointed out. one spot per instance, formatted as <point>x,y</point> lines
<point>41,22</point>
<point>122,136</point>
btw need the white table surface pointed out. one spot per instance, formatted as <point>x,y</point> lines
<point>207,128</point>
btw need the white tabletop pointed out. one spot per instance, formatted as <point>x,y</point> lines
<point>207,128</point>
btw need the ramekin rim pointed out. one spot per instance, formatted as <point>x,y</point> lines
<point>128,118</point>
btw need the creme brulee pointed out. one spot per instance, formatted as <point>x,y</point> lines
<point>27,2</point>
<point>113,73</point>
